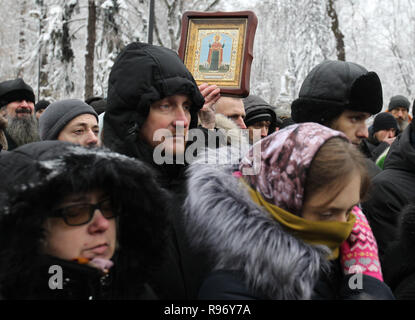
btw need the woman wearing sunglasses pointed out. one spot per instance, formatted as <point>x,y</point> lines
<point>78,223</point>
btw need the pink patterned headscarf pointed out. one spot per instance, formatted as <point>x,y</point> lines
<point>285,157</point>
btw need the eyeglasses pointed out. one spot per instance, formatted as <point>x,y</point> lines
<point>82,213</point>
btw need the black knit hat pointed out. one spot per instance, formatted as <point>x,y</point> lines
<point>42,104</point>
<point>384,121</point>
<point>398,101</point>
<point>334,86</point>
<point>256,110</point>
<point>15,90</point>
<point>58,114</point>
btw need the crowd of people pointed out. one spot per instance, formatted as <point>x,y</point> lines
<point>166,189</point>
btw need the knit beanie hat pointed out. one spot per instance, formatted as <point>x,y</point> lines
<point>334,86</point>
<point>398,101</point>
<point>58,114</point>
<point>15,90</point>
<point>42,104</point>
<point>256,110</point>
<point>384,121</point>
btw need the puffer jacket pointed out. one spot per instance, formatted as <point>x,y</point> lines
<point>141,75</point>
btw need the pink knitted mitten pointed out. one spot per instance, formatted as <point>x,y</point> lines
<point>359,253</point>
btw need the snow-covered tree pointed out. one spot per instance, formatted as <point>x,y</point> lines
<point>45,41</point>
<point>169,17</point>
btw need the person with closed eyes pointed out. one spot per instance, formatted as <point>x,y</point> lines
<point>94,216</point>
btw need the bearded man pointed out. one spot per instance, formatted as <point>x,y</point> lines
<point>17,101</point>
<point>399,108</point>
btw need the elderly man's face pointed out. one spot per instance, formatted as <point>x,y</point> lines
<point>400,113</point>
<point>19,109</point>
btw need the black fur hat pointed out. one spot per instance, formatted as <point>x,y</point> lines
<point>14,90</point>
<point>334,86</point>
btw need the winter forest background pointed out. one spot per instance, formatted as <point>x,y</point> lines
<point>53,44</point>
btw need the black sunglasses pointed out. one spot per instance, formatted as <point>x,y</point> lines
<point>82,213</point>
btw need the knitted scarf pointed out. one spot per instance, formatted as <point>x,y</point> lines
<point>329,233</point>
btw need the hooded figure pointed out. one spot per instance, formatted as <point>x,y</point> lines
<point>141,75</point>
<point>36,177</point>
<point>150,88</point>
<point>257,225</point>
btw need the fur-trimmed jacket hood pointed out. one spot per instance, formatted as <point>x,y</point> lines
<point>234,135</point>
<point>223,221</point>
<point>35,177</point>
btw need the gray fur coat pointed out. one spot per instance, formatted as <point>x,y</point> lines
<point>238,235</point>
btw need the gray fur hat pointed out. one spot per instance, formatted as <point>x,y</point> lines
<point>58,114</point>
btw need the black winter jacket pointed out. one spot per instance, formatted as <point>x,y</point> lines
<point>392,190</point>
<point>372,149</point>
<point>332,285</point>
<point>34,179</point>
<point>399,259</point>
<point>141,75</point>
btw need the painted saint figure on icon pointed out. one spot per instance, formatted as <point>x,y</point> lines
<point>215,55</point>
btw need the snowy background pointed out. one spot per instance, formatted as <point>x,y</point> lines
<point>49,44</point>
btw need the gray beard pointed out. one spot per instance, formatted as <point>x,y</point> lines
<point>402,124</point>
<point>23,130</point>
